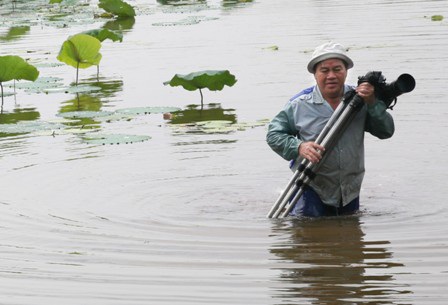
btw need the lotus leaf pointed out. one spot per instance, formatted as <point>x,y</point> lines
<point>80,51</point>
<point>28,127</point>
<point>117,7</point>
<point>147,110</point>
<point>15,67</point>
<point>103,34</point>
<point>437,17</point>
<point>104,139</point>
<point>84,114</point>
<point>214,80</point>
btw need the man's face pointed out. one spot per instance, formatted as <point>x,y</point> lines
<point>330,76</point>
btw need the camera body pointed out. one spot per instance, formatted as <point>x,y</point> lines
<point>388,92</point>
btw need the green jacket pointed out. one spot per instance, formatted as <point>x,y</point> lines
<point>340,175</point>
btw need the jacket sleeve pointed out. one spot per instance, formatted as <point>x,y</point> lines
<point>379,122</point>
<point>282,134</point>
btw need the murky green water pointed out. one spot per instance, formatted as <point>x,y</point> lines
<point>180,218</point>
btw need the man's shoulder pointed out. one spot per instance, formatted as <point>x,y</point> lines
<point>303,95</point>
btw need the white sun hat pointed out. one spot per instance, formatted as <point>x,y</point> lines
<point>326,51</point>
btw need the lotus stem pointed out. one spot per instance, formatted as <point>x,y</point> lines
<point>77,70</point>
<point>1,86</point>
<point>202,99</point>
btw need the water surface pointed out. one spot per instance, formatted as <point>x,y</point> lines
<point>180,218</point>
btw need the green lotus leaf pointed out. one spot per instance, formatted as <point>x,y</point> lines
<point>103,139</point>
<point>147,110</point>
<point>55,1</point>
<point>14,67</point>
<point>103,34</point>
<point>80,51</point>
<point>214,80</point>
<point>28,127</point>
<point>84,114</point>
<point>117,7</point>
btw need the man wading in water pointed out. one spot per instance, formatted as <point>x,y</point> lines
<point>336,187</point>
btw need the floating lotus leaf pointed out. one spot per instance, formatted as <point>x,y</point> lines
<point>214,124</point>
<point>103,34</point>
<point>70,89</point>
<point>117,7</point>
<point>186,21</point>
<point>39,85</point>
<point>29,126</point>
<point>84,114</point>
<point>147,110</point>
<point>215,127</point>
<point>112,139</point>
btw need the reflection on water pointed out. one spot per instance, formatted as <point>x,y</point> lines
<point>15,32</point>
<point>122,24</point>
<point>18,114</point>
<point>180,219</point>
<point>210,112</point>
<point>329,262</point>
<point>181,2</point>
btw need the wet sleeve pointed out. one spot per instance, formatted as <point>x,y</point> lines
<point>379,122</point>
<point>282,135</point>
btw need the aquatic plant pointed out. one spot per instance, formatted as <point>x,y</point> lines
<point>437,17</point>
<point>103,34</point>
<point>214,80</point>
<point>118,8</point>
<point>15,68</point>
<point>80,51</point>
<point>114,139</point>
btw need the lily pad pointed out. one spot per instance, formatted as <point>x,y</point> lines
<point>436,17</point>
<point>103,139</point>
<point>147,110</point>
<point>28,127</point>
<point>71,89</point>
<point>84,114</point>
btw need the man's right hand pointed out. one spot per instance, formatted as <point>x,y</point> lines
<point>311,151</point>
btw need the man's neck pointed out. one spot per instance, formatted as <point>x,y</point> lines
<point>333,101</point>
